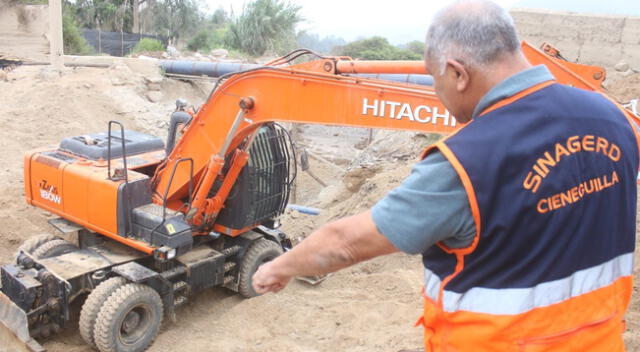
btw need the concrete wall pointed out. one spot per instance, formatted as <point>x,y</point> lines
<point>590,39</point>
<point>24,32</point>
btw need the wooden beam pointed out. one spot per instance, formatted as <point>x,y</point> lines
<point>55,34</point>
<point>136,16</point>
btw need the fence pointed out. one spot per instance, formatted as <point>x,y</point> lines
<point>116,43</point>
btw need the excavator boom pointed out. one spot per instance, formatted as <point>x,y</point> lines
<point>326,91</point>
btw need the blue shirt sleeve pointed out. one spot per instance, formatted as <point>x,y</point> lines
<point>430,205</point>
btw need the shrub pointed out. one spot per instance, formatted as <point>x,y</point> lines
<point>208,39</point>
<point>148,44</point>
<point>74,42</point>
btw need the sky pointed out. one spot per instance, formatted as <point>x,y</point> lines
<point>402,21</point>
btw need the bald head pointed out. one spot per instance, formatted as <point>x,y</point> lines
<point>475,32</point>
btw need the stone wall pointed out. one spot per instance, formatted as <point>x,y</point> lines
<point>590,39</point>
<point>24,31</point>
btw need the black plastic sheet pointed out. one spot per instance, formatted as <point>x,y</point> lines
<point>116,43</point>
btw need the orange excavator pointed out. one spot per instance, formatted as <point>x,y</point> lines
<point>143,225</point>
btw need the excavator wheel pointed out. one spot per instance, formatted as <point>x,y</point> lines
<point>33,243</point>
<point>92,305</point>
<point>129,320</point>
<point>259,252</point>
<point>54,248</point>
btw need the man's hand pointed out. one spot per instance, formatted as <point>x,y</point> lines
<point>268,279</point>
<point>334,246</point>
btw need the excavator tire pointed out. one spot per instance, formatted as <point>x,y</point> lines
<point>33,243</point>
<point>259,252</point>
<point>92,305</point>
<point>53,248</point>
<point>129,320</point>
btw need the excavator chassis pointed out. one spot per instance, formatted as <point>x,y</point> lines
<point>36,293</point>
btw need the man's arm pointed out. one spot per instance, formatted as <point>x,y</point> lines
<point>334,246</point>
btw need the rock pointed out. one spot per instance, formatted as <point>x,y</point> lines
<point>219,53</point>
<point>48,73</point>
<point>622,67</point>
<point>120,74</point>
<point>627,73</point>
<point>154,86</point>
<point>172,51</point>
<point>154,96</point>
<point>153,78</point>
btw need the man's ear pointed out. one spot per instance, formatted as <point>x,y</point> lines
<point>459,73</point>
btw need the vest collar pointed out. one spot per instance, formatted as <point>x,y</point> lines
<point>512,86</point>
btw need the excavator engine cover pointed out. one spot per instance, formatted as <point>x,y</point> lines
<point>95,146</point>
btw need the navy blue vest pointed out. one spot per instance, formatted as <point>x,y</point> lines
<point>554,175</point>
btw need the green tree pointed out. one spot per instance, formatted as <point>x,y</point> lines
<point>376,48</point>
<point>220,18</point>
<point>265,25</point>
<point>213,34</point>
<point>416,46</point>
<point>107,15</point>
<point>313,41</point>
<point>74,42</point>
<point>178,19</point>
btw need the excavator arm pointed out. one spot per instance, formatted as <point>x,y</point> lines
<point>247,100</point>
<point>316,92</point>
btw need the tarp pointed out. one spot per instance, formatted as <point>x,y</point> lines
<point>116,43</point>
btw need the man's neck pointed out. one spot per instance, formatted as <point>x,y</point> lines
<point>496,73</point>
<point>501,70</point>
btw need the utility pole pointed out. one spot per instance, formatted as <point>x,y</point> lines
<point>55,34</point>
<point>136,16</point>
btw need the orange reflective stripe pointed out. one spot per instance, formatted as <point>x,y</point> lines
<point>517,96</point>
<point>588,322</point>
<point>471,194</point>
<point>514,301</point>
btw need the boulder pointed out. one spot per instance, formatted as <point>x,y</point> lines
<point>154,96</point>
<point>622,67</point>
<point>219,53</point>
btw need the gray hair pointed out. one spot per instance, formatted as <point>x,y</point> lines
<point>475,32</point>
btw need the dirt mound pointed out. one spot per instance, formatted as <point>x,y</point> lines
<point>41,107</point>
<point>24,31</point>
<point>625,86</point>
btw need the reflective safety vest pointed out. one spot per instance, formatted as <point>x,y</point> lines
<point>550,174</point>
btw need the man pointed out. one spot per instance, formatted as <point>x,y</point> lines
<point>525,218</point>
